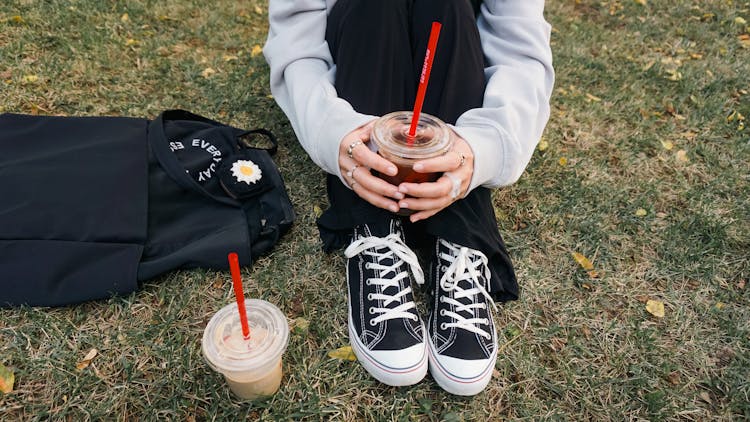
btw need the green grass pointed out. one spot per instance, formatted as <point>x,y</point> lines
<point>630,79</point>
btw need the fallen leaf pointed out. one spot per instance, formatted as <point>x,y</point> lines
<point>131,42</point>
<point>707,398</point>
<point>739,20</point>
<point>682,156</point>
<point>720,305</point>
<point>87,359</point>
<point>208,72</point>
<point>7,379</point>
<point>495,373</point>
<point>30,79</point>
<point>655,308</point>
<point>593,97</point>
<point>543,145</point>
<point>229,57</point>
<point>17,19</point>
<point>584,262</point>
<point>343,353</point>
<point>641,2</point>
<point>563,161</point>
<point>124,18</point>
<point>317,211</point>
<point>258,10</point>
<point>741,284</point>
<point>668,145</point>
<point>674,378</point>
<point>640,212</point>
<point>300,326</point>
<point>256,50</point>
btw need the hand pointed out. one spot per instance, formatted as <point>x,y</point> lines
<point>355,162</point>
<point>457,166</point>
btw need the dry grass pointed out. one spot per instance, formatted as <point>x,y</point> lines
<point>630,80</point>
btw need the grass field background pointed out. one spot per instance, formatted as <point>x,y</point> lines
<point>644,169</point>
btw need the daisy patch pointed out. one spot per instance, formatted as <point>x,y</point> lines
<point>246,171</point>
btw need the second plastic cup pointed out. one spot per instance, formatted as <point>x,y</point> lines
<point>251,367</point>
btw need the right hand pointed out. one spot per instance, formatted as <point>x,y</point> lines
<point>356,170</point>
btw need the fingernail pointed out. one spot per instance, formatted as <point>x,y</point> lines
<point>393,208</point>
<point>392,170</point>
<point>418,167</point>
<point>403,189</point>
<point>398,195</point>
<point>403,205</point>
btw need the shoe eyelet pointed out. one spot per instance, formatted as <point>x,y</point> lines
<point>367,282</point>
<point>486,321</point>
<point>371,310</point>
<point>373,323</point>
<point>442,312</point>
<point>443,268</point>
<point>367,266</point>
<point>369,296</point>
<point>443,327</point>
<point>441,299</point>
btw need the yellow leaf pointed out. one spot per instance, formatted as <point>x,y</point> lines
<point>17,19</point>
<point>739,20</point>
<point>655,308</point>
<point>562,161</point>
<point>668,145</point>
<point>131,42</point>
<point>682,156</point>
<point>7,379</point>
<point>584,262</point>
<point>258,10</point>
<point>208,72</point>
<point>719,305</point>
<point>641,2</point>
<point>343,353</point>
<point>543,145</point>
<point>256,50</point>
<point>300,326</point>
<point>229,57</point>
<point>640,212</point>
<point>317,211</point>
<point>87,359</point>
<point>30,79</point>
<point>593,97</point>
<point>124,18</point>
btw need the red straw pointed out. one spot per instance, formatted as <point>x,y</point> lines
<point>429,55</point>
<point>234,267</point>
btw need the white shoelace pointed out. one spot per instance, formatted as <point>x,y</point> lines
<point>389,247</point>
<point>465,264</point>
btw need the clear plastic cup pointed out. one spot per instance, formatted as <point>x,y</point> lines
<point>391,137</point>
<point>251,367</point>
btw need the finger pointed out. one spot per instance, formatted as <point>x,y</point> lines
<point>374,198</point>
<point>449,161</point>
<point>423,215</point>
<point>374,161</point>
<point>375,184</point>
<point>423,204</point>
<point>437,189</point>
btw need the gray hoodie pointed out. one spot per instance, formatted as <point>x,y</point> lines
<point>502,133</point>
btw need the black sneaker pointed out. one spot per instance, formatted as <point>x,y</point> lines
<point>463,342</point>
<point>385,330</point>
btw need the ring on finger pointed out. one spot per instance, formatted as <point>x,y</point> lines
<point>350,150</point>
<point>350,173</point>
<point>461,158</point>
<point>354,182</point>
<point>456,189</point>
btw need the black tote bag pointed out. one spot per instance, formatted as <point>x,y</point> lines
<point>91,206</point>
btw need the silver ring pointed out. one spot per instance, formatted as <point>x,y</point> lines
<point>350,173</point>
<point>350,150</point>
<point>462,157</point>
<point>354,182</point>
<point>456,190</point>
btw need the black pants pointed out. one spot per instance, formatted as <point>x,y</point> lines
<point>378,47</point>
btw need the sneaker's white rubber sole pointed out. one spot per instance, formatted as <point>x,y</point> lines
<point>452,381</point>
<point>401,370</point>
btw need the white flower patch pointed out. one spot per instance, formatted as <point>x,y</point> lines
<point>246,171</point>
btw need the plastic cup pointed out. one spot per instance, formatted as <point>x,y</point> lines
<point>391,137</point>
<point>251,367</point>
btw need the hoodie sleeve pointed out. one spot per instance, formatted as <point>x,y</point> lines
<point>505,130</point>
<point>301,74</point>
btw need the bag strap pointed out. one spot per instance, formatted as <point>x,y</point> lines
<point>264,132</point>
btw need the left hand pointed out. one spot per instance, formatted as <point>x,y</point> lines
<point>431,197</point>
